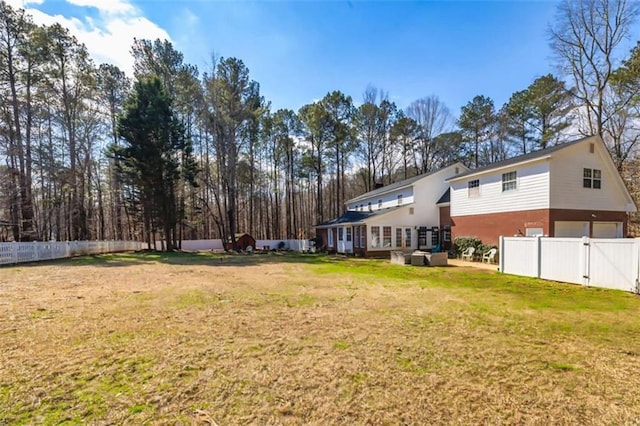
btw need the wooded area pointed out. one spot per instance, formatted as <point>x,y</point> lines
<point>173,153</point>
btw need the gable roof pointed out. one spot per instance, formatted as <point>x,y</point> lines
<point>520,159</point>
<point>400,185</point>
<point>352,216</point>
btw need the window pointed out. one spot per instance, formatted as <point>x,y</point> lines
<point>400,199</point>
<point>386,236</point>
<point>349,233</point>
<point>375,236</point>
<point>379,204</point>
<point>533,232</point>
<point>398,237</point>
<point>407,237</point>
<point>592,178</point>
<point>446,235</point>
<point>370,206</point>
<point>356,241</point>
<point>508,181</point>
<point>330,237</point>
<point>474,187</point>
<point>362,228</point>
<point>340,233</point>
<point>434,237</point>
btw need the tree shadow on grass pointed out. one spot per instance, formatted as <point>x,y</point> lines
<point>213,259</point>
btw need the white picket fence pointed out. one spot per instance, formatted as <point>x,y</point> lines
<point>11,253</point>
<point>294,245</point>
<point>596,262</point>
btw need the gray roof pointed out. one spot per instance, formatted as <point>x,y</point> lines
<point>526,157</point>
<point>393,186</point>
<point>352,216</point>
<point>446,197</point>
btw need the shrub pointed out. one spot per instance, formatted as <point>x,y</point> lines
<point>460,244</point>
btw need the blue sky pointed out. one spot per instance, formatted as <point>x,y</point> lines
<point>299,51</point>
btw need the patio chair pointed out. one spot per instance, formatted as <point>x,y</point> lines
<point>468,253</point>
<point>490,256</point>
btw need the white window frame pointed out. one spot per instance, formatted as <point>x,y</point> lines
<point>399,239</point>
<point>387,238</point>
<point>407,237</point>
<point>400,199</point>
<point>510,181</point>
<point>591,178</point>
<point>376,241</point>
<point>473,187</point>
<point>348,234</point>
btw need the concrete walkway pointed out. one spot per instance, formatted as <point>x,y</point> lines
<point>481,265</point>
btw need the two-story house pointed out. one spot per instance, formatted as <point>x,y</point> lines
<point>568,190</point>
<point>405,215</point>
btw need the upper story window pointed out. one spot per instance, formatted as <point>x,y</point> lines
<point>474,187</point>
<point>370,206</point>
<point>379,204</point>
<point>509,181</point>
<point>592,178</point>
<point>400,199</point>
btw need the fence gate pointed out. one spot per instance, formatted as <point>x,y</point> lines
<point>607,263</point>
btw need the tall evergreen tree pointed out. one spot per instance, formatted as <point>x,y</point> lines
<point>150,158</point>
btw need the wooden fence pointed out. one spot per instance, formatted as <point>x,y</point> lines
<point>607,263</point>
<point>11,253</point>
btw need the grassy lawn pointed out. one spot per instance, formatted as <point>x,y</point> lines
<point>292,339</point>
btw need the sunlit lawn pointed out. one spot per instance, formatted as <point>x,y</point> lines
<point>293,339</point>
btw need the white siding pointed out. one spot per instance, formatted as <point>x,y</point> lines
<point>567,191</point>
<point>428,192</point>
<point>532,191</point>
<point>388,200</point>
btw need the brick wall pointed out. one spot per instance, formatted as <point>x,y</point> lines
<point>489,227</point>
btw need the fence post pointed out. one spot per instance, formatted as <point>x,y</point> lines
<point>501,255</point>
<point>36,251</point>
<point>538,256</point>
<point>14,252</point>
<point>584,259</point>
<point>636,265</point>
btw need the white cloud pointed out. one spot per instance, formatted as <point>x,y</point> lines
<point>109,36</point>
<point>109,6</point>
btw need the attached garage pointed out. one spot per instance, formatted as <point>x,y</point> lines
<point>607,229</point>
<point>577,229</point>
<point>571,229</point>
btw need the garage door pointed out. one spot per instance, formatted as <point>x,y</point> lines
<point>607,230</point>
<point>571,229</point>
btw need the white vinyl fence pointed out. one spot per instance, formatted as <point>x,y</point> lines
<point>11,253</point>
<point>294,245</point>
<point>596,262</point>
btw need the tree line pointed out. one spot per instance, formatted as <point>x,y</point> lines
<point>173,153</point>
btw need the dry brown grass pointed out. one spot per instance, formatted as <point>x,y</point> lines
<point>276,340</point>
